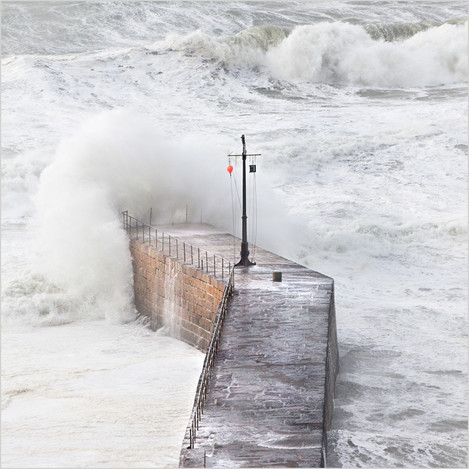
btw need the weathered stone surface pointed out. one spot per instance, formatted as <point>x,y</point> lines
<point>265,402</point>
<point>172,294</point>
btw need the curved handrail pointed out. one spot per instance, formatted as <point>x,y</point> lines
<point>169,245</point>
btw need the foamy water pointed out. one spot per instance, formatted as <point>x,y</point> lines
<point>88,394</point>
<point>360,113</point>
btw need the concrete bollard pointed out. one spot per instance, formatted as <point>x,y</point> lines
<point>276,276</point>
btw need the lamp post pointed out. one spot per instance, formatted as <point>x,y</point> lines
<point>244,262</point>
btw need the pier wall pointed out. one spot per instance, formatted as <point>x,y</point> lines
<point>332,369</point>
<point>175,295</point>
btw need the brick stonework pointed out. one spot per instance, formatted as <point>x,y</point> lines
<point>175,295</point>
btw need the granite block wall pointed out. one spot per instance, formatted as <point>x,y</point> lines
<point>175,295</point>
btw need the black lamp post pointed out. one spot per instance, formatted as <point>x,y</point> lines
<point>244,262</point>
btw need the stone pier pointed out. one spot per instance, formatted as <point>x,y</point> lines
<point>270,393</point>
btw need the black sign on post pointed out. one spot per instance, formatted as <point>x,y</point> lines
<point>245,262</point>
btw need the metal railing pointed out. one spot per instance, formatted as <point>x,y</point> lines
<point>176,248</point>
<point>213,265</point>
<point>201,393</point>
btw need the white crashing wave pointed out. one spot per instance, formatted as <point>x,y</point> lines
<point>116,161</point>
<point>340,53</point>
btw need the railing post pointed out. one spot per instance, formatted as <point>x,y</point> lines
<point>198,258</point>
<point>156,238</point>
<point>184,247</point>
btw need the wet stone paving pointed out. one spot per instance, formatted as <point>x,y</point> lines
<point>265,398</point>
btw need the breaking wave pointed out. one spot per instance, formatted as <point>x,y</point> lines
<point>114,162</point>
<point>342,53</point>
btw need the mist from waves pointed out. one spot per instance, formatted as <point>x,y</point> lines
<point>116,161</point>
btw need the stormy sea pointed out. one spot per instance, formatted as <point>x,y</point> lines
<point>359,109</point>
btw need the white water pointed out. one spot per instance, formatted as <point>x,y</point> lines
<point>94,395</point>
<point>360,112</point>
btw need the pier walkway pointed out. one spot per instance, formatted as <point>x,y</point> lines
<point>269,397</point>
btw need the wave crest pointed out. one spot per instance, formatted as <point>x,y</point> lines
<point>342,53</point>
<point>347,54</point>
<point>398,31</point>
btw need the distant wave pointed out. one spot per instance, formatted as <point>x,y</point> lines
<point>398,31</point>
<point>342,53</point>
<point>372,55</point>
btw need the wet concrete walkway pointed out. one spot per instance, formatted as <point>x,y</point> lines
<point>269,398</point>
